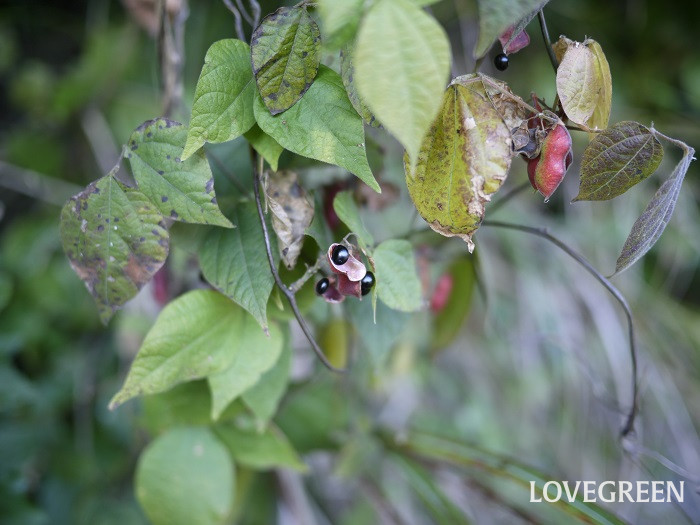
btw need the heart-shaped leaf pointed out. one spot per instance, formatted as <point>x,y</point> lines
<point>115,240</point>
<point>195,335</point>
<point>263,398</point>
<point>617,159</point>
<point>181,190</point>
<point>235,262</point>
<point>402,60</point>
<point>584,84</point>
<point>255,355</point>
<point>285,50</point>
<point>223,99</point>
<point>463,161</point>
<point>323,125</point>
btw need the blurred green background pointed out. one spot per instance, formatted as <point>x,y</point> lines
<point>538,372</point>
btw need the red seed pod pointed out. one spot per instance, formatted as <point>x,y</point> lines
<point>548,169</point>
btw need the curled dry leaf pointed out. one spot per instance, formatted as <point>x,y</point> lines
<point>348,287</point>
<point>332,295</point>
<point>465,157</point>
<point>292,212</point>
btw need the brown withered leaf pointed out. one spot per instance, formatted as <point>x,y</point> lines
<point>292,212</point>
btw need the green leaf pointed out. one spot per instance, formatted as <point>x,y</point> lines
<point>260,450</point>
<point>339,21</point>
<point>584,84</point>
<point>346,210</point>
<point>264,397</point>
<point>323,125</point>
<point>448,321</point>
<point>253,354</point>
<point>398,285</point>
<point>115,240</point>
<point>347,73</point>
<point>601,113</point>
<point>185,476</point>
<point>223,99</point>
<point>402,60</point>
<point>187,404</point>
<point>265,145</point>
<point>495,16</point>
<point>235,262</point>
<point>463,161</point>
<point>181,190</point>
<point>484,467</point>
<point>617,159</point>
<point>651,224</point>
<point>377,338</point>
<point>285,51</point>
<point>194,336</point>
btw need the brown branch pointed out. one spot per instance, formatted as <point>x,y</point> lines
<point>543,233</point>
<point>289,294</point>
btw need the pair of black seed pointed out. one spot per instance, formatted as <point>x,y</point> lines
<point>340,256</point>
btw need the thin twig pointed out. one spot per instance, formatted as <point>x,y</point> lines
<point>547,41</point>
<point>310,272</point>
<point>244,12</point>
<point>289,294</point>
<point>239,21</point>
<point>255,7</point>
<point>543,233</point>
<point>171,55</point>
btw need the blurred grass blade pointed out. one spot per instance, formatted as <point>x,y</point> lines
<point>490,466</point>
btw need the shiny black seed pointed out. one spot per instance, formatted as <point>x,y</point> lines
<point>340,255</point>
<point>367,283</point>
<point>322,286</point>
<point>501,62</point>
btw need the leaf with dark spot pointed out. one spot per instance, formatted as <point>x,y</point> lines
<point>617,159</point>
<point>463,160</point>
<point>114,261</point>
<point>285,53</point>
<point>181,189</point>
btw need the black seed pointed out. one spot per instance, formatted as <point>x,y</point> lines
<point>501,62</point>
<point>367,283</point>
<point>322,286</point>
<point>340,255</point>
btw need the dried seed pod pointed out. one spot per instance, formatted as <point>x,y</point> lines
<point>343,262</point>
<point>548,169</point>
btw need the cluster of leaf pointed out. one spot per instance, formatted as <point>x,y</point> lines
<point>275,93</point>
